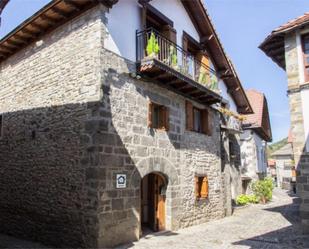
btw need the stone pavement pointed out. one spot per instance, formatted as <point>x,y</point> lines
<point>275,226</point>
<point>272,226</point>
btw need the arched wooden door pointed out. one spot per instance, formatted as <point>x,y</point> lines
<point>153,188</point>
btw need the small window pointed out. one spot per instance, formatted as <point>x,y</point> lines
<point>201,187</point>
<point>158,116</point>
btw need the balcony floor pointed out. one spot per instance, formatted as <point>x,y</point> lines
<point>168,77</point>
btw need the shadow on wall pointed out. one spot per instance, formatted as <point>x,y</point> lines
<point>287,237</point>
<point>58,175</point>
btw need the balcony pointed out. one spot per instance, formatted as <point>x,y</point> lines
<point>165,63</point>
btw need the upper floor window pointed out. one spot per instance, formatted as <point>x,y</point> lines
<point>198,120</point>
<point>158,116</point>
<point>305,45</point>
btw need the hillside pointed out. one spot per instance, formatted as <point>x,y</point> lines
<point>276,146</point>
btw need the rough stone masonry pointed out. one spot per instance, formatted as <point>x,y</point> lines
<point>73,118</point>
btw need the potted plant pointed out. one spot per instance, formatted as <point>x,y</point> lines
<point>173,57</point>
<point>152,47</point>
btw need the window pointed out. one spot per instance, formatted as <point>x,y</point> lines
<point>201,187</point>
<point>305,45</point>
<point>198,120</point>
<point>158,116</point>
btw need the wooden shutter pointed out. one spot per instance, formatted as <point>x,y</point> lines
<point>205,121</point>
<point>166,118</point>
<point>185,43</point>
<point>170,33</point>
<point>210,123</point>
<point>189,116</point>
<point>150,111</point>
<point>204,187</point>
<point>197,187</point>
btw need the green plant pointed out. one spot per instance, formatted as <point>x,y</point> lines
<point>153,47</point>
<point>202,77</point>
<point>245,199</point>
<point>242,200</point>
<point>263,189</point>
<point>213,82</point>
<point>253,198</point>
<point>173,56</point>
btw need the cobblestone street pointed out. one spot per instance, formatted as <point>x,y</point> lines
<point>274,225</point>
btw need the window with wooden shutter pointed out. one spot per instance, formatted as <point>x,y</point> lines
<point>158,116</point>
<point>170,33</point>
<point>201,187</point>
<point>189,116</point>
<point>207,122</point>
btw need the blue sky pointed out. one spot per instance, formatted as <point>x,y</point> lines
<point>242,25</point>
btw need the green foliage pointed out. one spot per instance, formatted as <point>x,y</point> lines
<point>173,56</point>
<point>245,199</point>
<point>202,77</point>
<point>242,200</point>
<point>152,45</point>
<point>263,189</point>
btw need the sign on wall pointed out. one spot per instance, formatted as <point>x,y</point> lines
<point>121,181</point>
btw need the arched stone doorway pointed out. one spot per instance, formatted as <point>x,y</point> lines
<point>166,169</point>
<point>153,197</point>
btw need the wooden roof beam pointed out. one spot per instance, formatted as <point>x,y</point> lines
<point>6,50</point>
<point>60,12</point>
<point>29,33</point>
<point>49,20</point>
<point>37,26</point>
<point>72,5</point>
<point>16,43</point>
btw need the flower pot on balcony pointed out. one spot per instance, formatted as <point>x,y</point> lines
<point>152,48</point>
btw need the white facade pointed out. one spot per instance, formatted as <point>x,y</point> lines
<point>125,18</point>
<point>253,155</point>
<point>305,102</point>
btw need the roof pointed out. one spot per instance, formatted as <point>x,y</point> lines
<point>57,12</point>
<point>273,45</point>
<point>259,120</point>
<point>286,150</point>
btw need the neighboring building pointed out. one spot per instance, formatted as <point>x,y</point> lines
<point>271,170</point>
<point>257,132</point>
<point>108,132</point>
<point>288,46</point>
<point>284,166</point>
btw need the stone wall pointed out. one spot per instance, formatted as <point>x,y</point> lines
<point>47,91</point>
<point>73,119</point>
<point>130,147</point>
<point>297,126</point>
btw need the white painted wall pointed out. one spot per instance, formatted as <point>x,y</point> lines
<point>305,102</point>
<point>125,18</point>
<point>261,150</point>
<point>122,22</point>
<point>227,96</point>
<point>175,11</point>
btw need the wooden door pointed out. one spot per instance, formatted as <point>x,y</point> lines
<point>159,203</point>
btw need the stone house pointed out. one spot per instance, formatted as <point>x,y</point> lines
<point>257,132</point>
<point>110,122</point>
<point>285,168</point>
<point>288,47</point>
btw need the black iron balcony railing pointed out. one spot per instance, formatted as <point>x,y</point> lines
<point>150,44</point>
